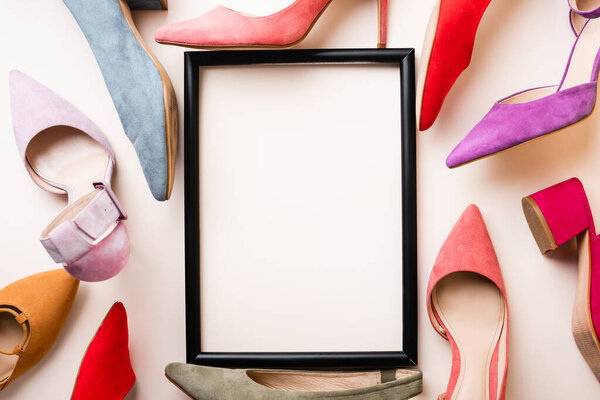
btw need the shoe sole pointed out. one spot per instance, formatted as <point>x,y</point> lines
<point>169,99</point>
<point>582,325</point>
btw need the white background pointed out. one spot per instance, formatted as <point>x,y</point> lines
<point>520,44</point>
<point>301,236</point>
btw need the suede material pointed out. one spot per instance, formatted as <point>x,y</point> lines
<point>469,248</point>
<point>105,260</point>
<point>564,206</point>
<point>206,383</point>
<point>105,372</point>
<point>134,82</point>
<point>36,108</point>
<point>450,54</point>
<point>510,124</point>
<point>46,299</point>
<point>225,27</point>
<point>567,212</point>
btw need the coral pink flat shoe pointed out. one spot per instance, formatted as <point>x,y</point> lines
<point>225,28</point>
<point>105,372</point>
<point>466,300</point>
<point>446,53</point>
<point>66,153</point>
<point>556,215</point>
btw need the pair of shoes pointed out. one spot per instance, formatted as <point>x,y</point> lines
<point>66,153</point>
<point>225,28</point>
<point>467,306</point>
<point>138,84</point>
<point>555,215</point>
<point>206,383</point>
<point>33,312</point>
<point>534,113</point>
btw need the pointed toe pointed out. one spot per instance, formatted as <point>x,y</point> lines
<point>106,372</point>
<point>41,303</point>
<point>140,87</point>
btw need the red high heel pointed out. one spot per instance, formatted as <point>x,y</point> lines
<point>556,215</point>
<point>223,27</point>
<point>105,372</point>
<point>446,53</point>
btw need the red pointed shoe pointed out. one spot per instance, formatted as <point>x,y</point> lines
<point>105,372</point>
<point>555,215</point>
<point>446,53</point>
<point>466,301</point>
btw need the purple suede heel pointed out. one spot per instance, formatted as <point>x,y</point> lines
<point>532,113</point>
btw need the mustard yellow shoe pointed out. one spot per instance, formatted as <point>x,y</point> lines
<point>33,311</point>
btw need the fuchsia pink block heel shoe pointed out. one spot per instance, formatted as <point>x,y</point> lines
<point>556,215</point>
<point>223,27</point>
<point>466,301</point>
<point>66,153</point>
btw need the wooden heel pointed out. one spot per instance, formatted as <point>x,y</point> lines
<point>538,225</point>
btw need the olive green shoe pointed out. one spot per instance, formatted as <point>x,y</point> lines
<point>206,383</point>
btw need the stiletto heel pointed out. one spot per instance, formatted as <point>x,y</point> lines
<point>225,28</point>
<point>382,6</point>
<point>556,215</point>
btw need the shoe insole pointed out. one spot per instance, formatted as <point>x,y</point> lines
<point>320,382</point>
<point>69,157</point>
<point>584,55</point>
<point>472,310</point>
<point>11,335</point>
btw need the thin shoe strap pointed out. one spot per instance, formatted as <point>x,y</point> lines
<point>589,14</point>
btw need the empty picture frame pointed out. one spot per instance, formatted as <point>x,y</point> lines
<point>246,221</point>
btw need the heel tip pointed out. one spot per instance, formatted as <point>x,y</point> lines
<point>538,225</point>
<point>381,45</point>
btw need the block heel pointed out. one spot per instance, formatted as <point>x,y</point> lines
<point>555,215</point>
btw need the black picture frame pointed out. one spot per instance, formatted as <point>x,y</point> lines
<point>405,59</point>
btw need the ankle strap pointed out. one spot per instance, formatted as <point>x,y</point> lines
<point>595,13</point>
<point>73,233</point>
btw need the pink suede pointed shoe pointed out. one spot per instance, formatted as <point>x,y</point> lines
<point>556,215</point>
<point>66,153</point>
<point>466,301</point>
<point>225,28</point>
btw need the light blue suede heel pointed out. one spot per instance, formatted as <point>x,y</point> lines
<point>140,88</point>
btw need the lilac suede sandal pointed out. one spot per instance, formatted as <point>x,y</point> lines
<point>533,113</point>
<point>66,153</point>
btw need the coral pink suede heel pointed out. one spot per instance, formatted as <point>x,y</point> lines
<point>225,28</point>
<point>466,301</point>
<point>66,153</point>
<point>556,215</point>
